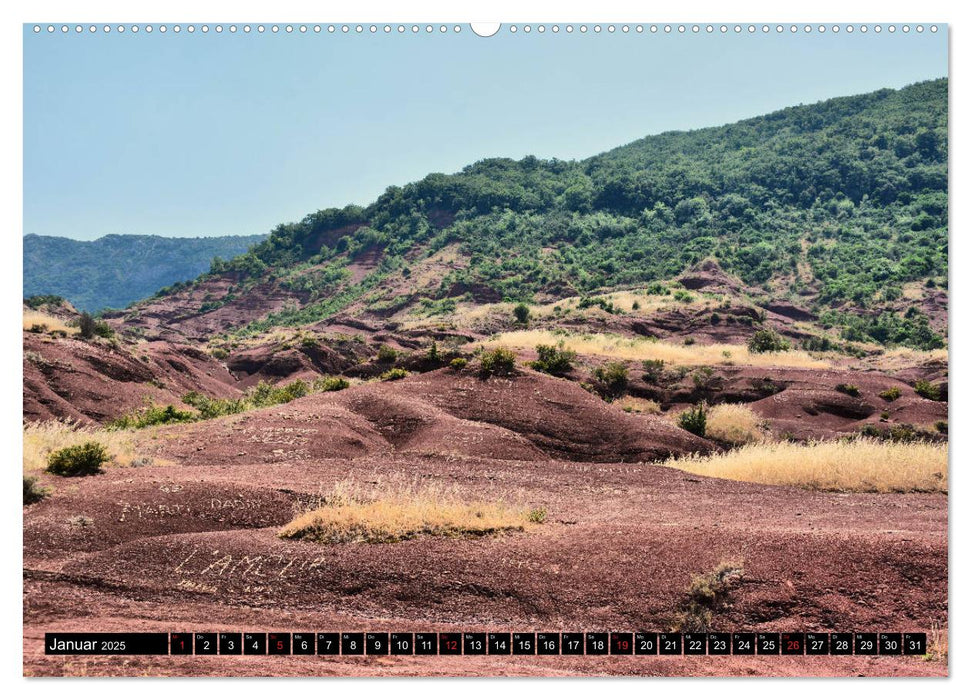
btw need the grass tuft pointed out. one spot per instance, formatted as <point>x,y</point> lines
<point>734,423</point>
<point>403,512</point>
<point>861,465</point>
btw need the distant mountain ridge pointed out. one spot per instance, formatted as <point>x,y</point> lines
<point>839,207</point>
<point>115,270</point>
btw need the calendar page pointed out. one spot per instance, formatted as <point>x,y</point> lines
<point>513,349</point>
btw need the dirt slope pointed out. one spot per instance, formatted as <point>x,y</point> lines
<point>99,381</point>
<point>194,548</point>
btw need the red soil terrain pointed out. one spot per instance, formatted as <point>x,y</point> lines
<point>190,542</point>
<point>88,381</point>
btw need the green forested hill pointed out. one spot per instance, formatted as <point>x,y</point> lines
<point>114,271</point>
<point>839,203</point>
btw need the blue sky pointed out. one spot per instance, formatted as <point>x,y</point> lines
<point>195,135</point>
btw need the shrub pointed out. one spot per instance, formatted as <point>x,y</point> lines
<point>498,361</point>
<point>924,388</point>
<point>767,340</point>
<point>39,300</point>
<point>213,408</point>
<point>703,378</point>
<point>152,415</point>
<point>848,389</point>
<point>683,296</point>
<point>78,460</point>
<point>553,360</point>
<point>694,420</point>
<point>521,312</point>
<point>433,354</point>
<point>263,394</point>
<point>103,330</point>
<point>537,516</point>
<point>941,427</point>
<point>330,384</point>
<point>86,325</point>
<point>891,394</point>
<point>219,353</point>
<point>32,492</point>
<point>387,354</point>
<point>635,306</point>
<point>458,363</point>
<point>294,390</point>
<point>653,370</point>
<point>706,594</point>
<point>613,376</point>
<point>393,374</point>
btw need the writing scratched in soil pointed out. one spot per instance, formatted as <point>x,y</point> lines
<point>214,563</point>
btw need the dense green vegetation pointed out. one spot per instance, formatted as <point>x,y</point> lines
<point>843,202</point>
<point>114,271</point>
<point>78,460</point>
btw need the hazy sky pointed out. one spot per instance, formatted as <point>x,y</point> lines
<point>195,135</point>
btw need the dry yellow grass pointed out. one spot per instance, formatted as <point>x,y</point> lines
<point>632,404</point>
<point>621,348</point>
<point>911,356</point>
<point>405,511</point>
<point>734,423</point>
<point>39,320</point>
<point>863,464</point>
<point>41,439</point>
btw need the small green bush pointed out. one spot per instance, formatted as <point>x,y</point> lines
<point>848,389</point>
<point>393,374</point>
<point>263,394</point>
<point>330,384</point>
<point>152,415</point>
<point>694,420</point>
<point>219,353</point>
<point>537,515</point>
<point>458,363</point>
<point>941,427</point>
<point>891,394</point>
<point>703,378</point>
<point>521,312</point>
<point>78,460</point>
<point>614,378</point>
<point>499,361</point>
<point>103,330</point>
<point>924,388</point>
<point>553,360</point>
<point>86,325</point>
<point>387,354</point>
<point>213,408</point>
<point>32,492</point>
<point>653,370</point>
<point>767,340</point>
